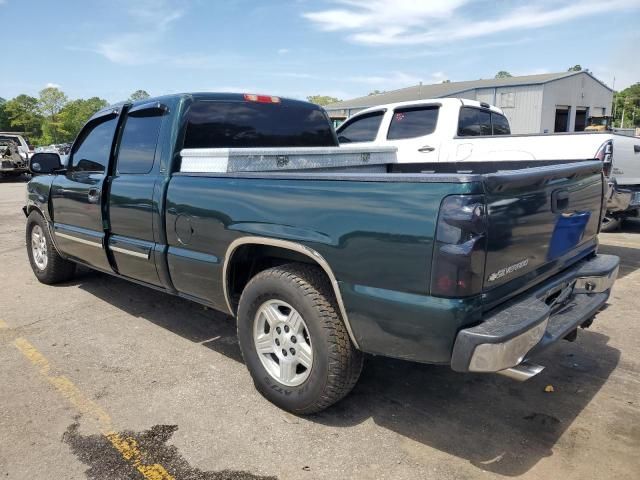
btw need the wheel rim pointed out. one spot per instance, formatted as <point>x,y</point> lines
<point>283,343</point>
<point>39,247</point>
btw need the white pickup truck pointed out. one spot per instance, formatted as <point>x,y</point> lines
<point>456,131</point>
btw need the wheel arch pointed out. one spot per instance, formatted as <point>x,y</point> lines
<point>293,251</point>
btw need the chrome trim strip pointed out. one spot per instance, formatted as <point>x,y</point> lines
<point>130,252</point>
<point>79,240</point>
<point>296,247</point>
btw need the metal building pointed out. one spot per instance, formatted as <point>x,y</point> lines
<point>546,103</point>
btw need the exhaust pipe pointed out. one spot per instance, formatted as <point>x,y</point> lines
<point>522,372</point>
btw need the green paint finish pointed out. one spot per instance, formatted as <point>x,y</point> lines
<point>413,327</point>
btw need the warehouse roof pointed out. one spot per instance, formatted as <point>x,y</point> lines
<point>436,90</point>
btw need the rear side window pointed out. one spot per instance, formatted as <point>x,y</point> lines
<point>500,124</point>
<point>364,128</point>
<point>244,124</point>
<point>474,122</point>
<point>138,144</point>
<point>413,122</point>
<point>94,149</point>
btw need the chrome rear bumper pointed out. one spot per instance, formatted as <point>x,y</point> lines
<point>536,319</point>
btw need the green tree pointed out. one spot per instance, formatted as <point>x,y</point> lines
<point>322,99</point>
<point>627,107</point>
<point>139,95</point>
<point>23,114</point>
<point>4,117</point>
<point>75,114</point>
<point>575,68</point>
<point>503,74</point>
<point>50,103</point>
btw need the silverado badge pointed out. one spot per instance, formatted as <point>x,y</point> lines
<point>508,270</point>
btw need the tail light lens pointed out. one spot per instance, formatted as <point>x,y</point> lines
<point>605,155</point>
<point>460,248</point>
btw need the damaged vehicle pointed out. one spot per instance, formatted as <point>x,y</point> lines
<point>12,163</point>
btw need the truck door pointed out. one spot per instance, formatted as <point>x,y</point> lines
<point>77,197</point>
<point>411,129</point>
<point>131,205</point>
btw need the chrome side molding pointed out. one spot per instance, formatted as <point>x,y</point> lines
<point>78,239</point>
<point>131,253</point>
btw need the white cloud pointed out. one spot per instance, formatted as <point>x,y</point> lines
<point>154,18</point>
<point>405,22</point>
<point>283,51</point>
<point>51,85</point>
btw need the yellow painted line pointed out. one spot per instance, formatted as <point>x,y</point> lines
<point>127,446</point>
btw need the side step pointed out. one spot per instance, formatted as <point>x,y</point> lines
<point>522,372</point>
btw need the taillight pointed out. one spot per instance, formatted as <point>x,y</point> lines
<point>460,247</point>
<point>251,97</point>
<point>605,155</point>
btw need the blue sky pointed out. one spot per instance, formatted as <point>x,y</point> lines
<point>343,48</point>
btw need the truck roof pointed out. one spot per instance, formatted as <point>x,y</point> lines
<point>211,96</point>
<point>449,102</point>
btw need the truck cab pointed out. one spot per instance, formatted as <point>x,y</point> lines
<point>421,129</point>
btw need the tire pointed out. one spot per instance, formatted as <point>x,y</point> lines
<point>610,224</point>
<point>335,363</point>
<point>47,265</point>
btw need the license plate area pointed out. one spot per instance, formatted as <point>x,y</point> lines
<point>559,295</point>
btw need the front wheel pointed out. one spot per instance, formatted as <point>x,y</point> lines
<point>47,265</point>
<point>293,340</point>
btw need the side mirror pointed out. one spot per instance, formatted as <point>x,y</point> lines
<point>43,163</point>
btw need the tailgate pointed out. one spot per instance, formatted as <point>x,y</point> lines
<point>541,220</point>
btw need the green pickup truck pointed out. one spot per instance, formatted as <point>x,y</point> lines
<point>246,203</point>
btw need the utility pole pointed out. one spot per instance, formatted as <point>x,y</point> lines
<point>614,102</point>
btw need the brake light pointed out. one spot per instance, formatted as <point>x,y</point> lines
<point>605,155</point>
<point>252,97</point>
<point>460,247</point>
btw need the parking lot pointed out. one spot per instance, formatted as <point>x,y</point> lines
<point>104,379</point>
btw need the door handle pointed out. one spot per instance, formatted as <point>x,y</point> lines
<point>426,149</point>
<point>93,195</point>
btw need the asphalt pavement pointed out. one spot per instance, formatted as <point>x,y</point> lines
<point>104,379</point>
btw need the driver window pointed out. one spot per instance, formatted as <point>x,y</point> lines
<point>92,154</point>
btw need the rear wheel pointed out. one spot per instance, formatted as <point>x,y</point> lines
<point>293,340</point>
<point>47,265</point>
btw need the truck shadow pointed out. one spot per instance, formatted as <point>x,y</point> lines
<point>496,424</point>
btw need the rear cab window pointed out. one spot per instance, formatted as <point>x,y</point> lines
<point>363,128</point>
<point>248,124</point>
<point>137,149</point>
<point>475,121</point>
<point>411,122</point>
<point>500,124</point>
